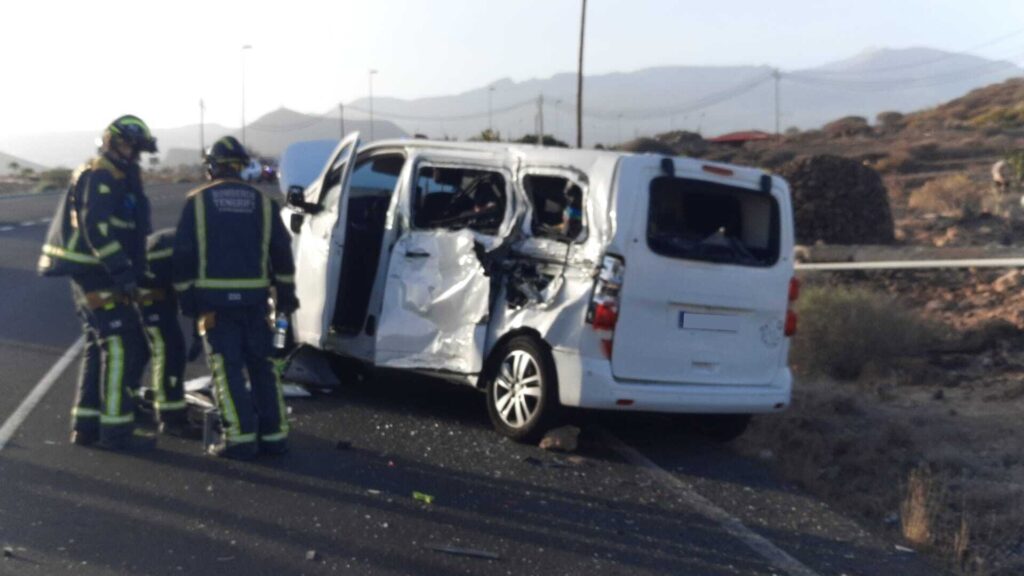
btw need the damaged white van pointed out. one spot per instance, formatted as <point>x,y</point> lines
<point>551,277</point>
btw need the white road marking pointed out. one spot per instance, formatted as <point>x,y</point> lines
<point>6,228</point>
<point>759,544</point>
<point>16,419</point>
<point>27,224</point>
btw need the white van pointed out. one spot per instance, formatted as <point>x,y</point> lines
<point>552,277</point>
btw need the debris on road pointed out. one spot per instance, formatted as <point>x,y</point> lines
<point>421,497</point>
<point>564,439</point>
<point>312,555</point>
<point>905,550</point>
<point>8,552</point>
<point>470,552</point>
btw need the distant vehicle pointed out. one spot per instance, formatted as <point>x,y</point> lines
<point>550,277</point>
<point>251,173</point>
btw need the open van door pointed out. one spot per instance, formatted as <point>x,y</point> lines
<point>319,241</point>
<point>437,295</point>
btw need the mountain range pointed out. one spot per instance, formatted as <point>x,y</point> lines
<point>617,106</point>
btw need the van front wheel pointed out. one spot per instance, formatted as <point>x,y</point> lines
<point>522,389</point>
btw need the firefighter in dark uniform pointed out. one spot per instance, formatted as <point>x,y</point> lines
<point>97,237</point>
<point>159,306</point>
<point>230,250</point>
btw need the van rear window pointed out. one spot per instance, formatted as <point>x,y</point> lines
<point>698,220</point>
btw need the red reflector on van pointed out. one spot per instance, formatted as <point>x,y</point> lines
<point>794,289</point>
<point>605,317</point>
<point>717,170</point>
<point>623,402</point>
<point>790,323</point>
<point>606,347</point>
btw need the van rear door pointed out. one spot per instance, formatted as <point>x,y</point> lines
<point>707,270</point>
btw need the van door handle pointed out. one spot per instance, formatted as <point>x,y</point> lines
<point>416,254</point>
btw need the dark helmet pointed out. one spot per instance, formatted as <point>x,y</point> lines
<point>227,152</point>
<point>134,132</point>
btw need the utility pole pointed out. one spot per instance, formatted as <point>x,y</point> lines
<point>372,72</point>
<point>490,109</point>
<point>777,76</point>
<point>245,48</point>
<point>341,119</point>
<point>554,132</point>
<point>202,129</point>
<point>579,80</point>
<point>618,124</point>
<point>540,120</point>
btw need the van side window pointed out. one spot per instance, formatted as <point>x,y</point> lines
<point>557,207</point>
<point>699,220</point>
<point>332,180</point>
<point>456,198</point>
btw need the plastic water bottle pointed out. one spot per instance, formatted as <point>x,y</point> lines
<point>280,331</point>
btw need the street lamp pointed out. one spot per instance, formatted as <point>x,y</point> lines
<point>245,48</point>
<point>370,76</point>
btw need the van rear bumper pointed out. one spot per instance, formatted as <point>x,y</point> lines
<point>588,383</point>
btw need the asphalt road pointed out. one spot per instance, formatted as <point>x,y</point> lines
<point>640,496</point>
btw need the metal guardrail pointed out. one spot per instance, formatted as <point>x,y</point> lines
<point>911,264</point>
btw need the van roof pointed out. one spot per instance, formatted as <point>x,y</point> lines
<point>546,153</point>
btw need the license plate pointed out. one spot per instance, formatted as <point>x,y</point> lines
<point>708,322</point>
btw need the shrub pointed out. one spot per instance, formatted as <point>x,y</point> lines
<point>848,126</point>
<point>952,193</point>
<point>890,121</point>
<point>844,328</point>
<point>53,179</point>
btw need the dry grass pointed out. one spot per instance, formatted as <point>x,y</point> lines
<point>844,329</point>
<point>955,193</point>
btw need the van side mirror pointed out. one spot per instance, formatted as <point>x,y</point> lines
<point>297,200</point>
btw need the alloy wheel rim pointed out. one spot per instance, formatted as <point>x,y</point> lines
<point>517,389</point>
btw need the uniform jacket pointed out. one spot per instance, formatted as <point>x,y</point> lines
<point>98,233</point>
<point>231,247</point>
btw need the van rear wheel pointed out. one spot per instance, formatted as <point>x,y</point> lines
<point>522,389</point>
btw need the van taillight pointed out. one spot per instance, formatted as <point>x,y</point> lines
<point>794,294</point>
<point>603,313</point>
<point>790,323</point>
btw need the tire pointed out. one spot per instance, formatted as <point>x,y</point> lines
<point>522,389</point>
<point>719,427</point>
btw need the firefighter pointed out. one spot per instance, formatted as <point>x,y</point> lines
<point>231,249</point>
<point>97,237</point>
<point>166,342</point>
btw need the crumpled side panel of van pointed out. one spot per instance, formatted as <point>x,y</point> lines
<point>440,303</point>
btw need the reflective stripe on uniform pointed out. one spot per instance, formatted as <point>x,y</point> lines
<point>115,371</point>
<point>159,349</point>
<point>109,249</point>
<point>79,412</point>
<point>274,437</point>
<point>123,224</point>
<point>182,286</point>
<point>114,420</point>
<point>200,209</point>
<point>227,403</point>
<point>58,252</point>
<point>278,368</point>
<point>232,283</point>
<point>284,278</point>
<point>241,439</point>
<point>160,254</point>
<point>170,406</point>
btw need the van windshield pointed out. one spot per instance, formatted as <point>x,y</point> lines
<point>698,220</point>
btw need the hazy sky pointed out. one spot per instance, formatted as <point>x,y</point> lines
<point>78,64</point>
